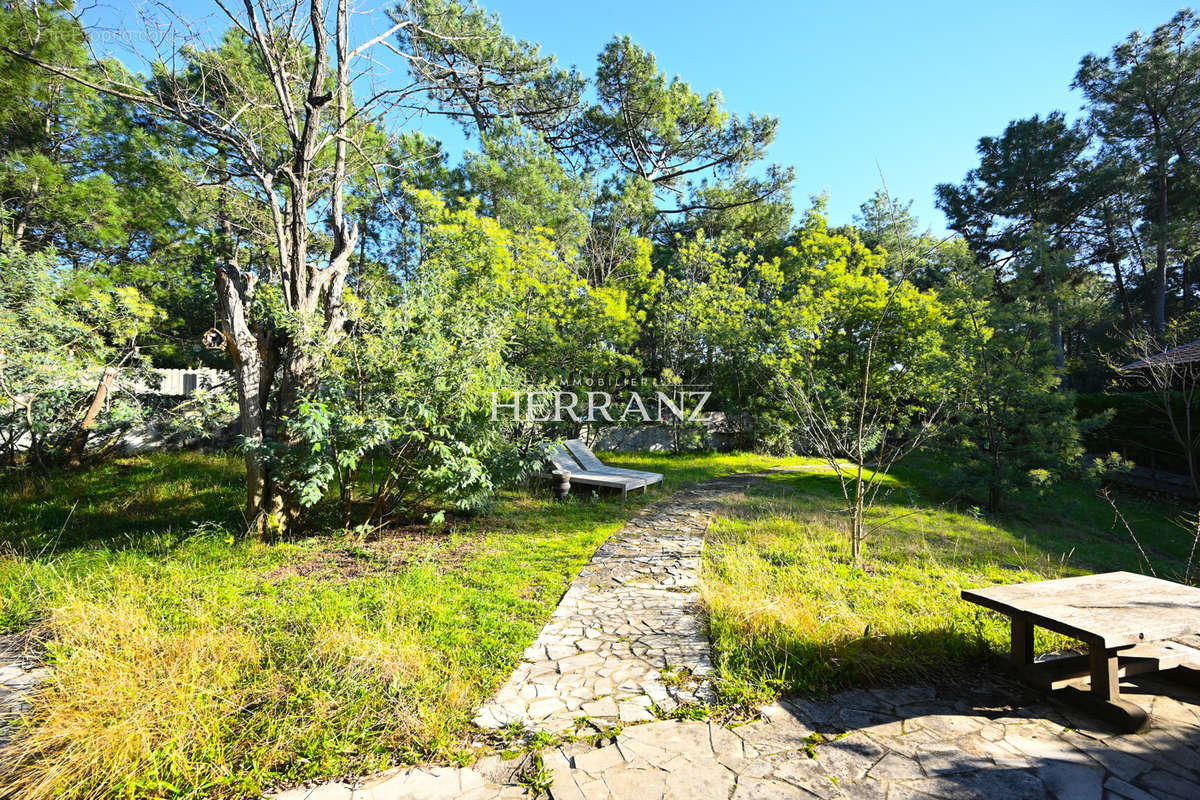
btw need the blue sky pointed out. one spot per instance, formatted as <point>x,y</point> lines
<point>902,88</point>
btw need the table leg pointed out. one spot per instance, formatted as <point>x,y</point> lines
<point>1104,696</point>
<point>1106,684</point>
<point>1022,642</point>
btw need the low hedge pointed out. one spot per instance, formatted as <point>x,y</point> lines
<point>1139,429</point>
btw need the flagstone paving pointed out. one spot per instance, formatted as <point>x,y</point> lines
<point>986,741</point>
<point>629,634</point>
<point>20,673</point>
<point>631,626</point>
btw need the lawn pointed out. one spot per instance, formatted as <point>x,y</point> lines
<point>790,613</point>
<point>189,662</point>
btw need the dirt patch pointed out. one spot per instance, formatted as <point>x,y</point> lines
<point>386,550</point>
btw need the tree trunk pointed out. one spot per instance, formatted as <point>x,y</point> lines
<point>1056,340</point>
<point>1114,258</point>
<point>1056,333</point>
<point>1187,286</point>
<point>253,351</point>
<point>856,519</point>
<point>1122,293</point>
<point>299,378</point>
<point>1159,308</point>
<point>254,363</point>
<point>75,454</point>
<point>994,493</point>
<point>26,210</point>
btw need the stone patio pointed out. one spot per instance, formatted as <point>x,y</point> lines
<point>20,672</point>
<point>990,740</point>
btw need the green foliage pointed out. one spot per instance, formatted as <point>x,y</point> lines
<point>615,249</point>
<point>49,180</point>
<point>917,256</point>
<point>664,133</point>
<point>480,76</point>
<point>1017,424</point>
<point>631,227</point>
<point>766,331</point>
<point>525,188</point>
<point>555,323</point>
<point>61,329</point>
<point>1020,211</point>
<point>1144,103</point>
<point>85,175</point>
<point>853,347</point>
<point>1027,177</point>
<point>1139,428</point>
<point>1025,211</point>
<point>408,397</point>
<point>712,324</point>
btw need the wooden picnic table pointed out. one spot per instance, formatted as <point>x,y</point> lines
<point>1128,622</point>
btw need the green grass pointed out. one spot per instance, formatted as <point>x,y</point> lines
<point>188,662</point>
<point>680,471</point>
<point>790,613</point>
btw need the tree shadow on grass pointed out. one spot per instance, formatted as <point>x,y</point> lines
<point>1069,525</point>
<point>127,502</point>
<point>810,665</point>
<point>155,500</point>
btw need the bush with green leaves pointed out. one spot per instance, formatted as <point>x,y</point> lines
<point>60,330</point>
<point>1015,426</point>
<point>402,422</point>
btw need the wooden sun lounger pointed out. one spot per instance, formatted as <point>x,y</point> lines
<point>1127,621</point>
<point>569,471</point>
<point>584,455</point>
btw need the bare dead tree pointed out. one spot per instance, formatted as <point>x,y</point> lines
<point>1168,366</point>
<point>280,137</point>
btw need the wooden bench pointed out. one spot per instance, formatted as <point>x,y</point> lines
<point>1127,622</point>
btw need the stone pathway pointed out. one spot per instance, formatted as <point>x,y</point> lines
<point>20,672</point>
<point>629,634</point>
<point>985,741</point>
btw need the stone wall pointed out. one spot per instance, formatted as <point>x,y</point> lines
<point>656,438</point>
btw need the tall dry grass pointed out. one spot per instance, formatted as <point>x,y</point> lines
<point>128,705</point>
<point>147,706</point>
